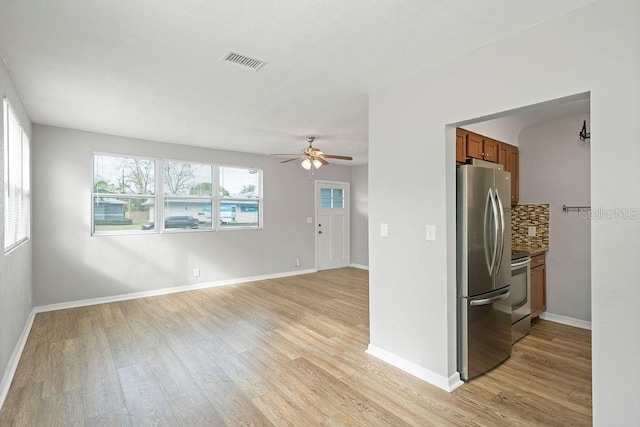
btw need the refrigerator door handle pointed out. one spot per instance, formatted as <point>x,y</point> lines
<point>487,301</point>
<point>496,226</point>
<point>501,211</point>
<point>484,232</point>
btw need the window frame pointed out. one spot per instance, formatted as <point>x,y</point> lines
<point>164,197</point>
<point>122,195</point>
<point>159,197</point>
<point>22,205</point>
<point>259,198</point>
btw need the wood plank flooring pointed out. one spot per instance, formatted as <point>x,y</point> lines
<point>284,352</point>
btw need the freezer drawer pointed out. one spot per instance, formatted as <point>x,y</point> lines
<point>485,332</point>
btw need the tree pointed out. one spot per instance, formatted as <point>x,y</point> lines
<point>201,189</point>
<point>102,186</point>
<point>139,175</point>
<point>177,176</point>
<point>248,189</point>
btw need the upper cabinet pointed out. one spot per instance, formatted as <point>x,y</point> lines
<point>470,145</point>
<point>480,147</point>
<point>461,145</point>
<point>513,162</point>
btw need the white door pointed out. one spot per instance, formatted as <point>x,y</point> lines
<point>332,224</point>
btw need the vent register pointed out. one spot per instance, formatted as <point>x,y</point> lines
<point>243,61</point>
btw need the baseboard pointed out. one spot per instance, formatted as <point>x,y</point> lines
<point>360,266</point>
<point>446,384</point>
<point>10,371</point>
<point>584,324</point>
<point>166,291</point>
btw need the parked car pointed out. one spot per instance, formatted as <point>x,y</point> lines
<point>181,222</point>
<point>174,222</point>
<point>148,225</point>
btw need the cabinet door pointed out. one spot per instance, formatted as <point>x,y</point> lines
<point>503,157</point>
<point>490,150</point>
<point>514,168</point>
<point>538,291</point>
<point>474,145</point>
<point>461,146</point>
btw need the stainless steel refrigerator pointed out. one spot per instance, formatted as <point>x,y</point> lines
<point>484,268</point>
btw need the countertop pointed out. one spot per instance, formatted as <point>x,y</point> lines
<point>532,249</point>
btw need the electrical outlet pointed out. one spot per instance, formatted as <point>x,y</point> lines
<point>384,230</point>
<point>532,232</point>
<point>309,220</point>
<point>196,272</point>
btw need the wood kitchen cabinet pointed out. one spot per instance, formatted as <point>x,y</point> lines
<point>483,148</point>
<point>461,146</point>
<point>513,162</point>
<point>470,145</point>
<point>538,285</point>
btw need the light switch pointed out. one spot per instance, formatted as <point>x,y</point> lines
<point>431,233</point>
<point>309,220</point>
<point>384,230</point>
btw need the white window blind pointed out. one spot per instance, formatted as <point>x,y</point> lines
<point>16,180</point>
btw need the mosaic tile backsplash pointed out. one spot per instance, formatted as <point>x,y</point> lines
<point>525,216</point>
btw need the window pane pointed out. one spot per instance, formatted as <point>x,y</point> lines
<point>122,213</point>
<point>239,182</point>
<point>239,213</point>
<point>187,213</point>
<point>16,179</point>
<point>122,175</point>
<point>331,198</point>
<point>191,179</point>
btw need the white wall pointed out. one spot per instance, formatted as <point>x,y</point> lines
<point>360,215</point>
<point>504,129</point>
<point>70,264</point>
<point>15,266</point>
<point>411,163</point>
<point>555,169</point>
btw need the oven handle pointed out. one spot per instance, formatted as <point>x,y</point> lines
<point>521,263</point>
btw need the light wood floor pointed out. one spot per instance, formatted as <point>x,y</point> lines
<point>276,352</point>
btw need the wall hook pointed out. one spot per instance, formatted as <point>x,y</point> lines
<point>584,135</point>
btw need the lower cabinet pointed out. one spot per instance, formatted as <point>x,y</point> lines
<point>538,284</point>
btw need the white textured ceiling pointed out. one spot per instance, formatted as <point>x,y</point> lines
<point>151,68</point>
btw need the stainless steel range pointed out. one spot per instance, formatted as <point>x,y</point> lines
<point>520,295</point>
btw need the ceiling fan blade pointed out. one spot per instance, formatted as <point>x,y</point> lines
<point>290,160</point>
<point>333,156</point>
<point>323,161</point>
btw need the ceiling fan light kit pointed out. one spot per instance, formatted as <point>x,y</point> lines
<point>312,156</point>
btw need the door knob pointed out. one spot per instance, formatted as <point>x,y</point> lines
<point>320,232</point>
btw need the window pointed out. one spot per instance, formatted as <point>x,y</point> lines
<point>123,194</point>
<point>188,195</point>
<point>240,197</point>
<point>332,198</point>
<point>17,192</point>
<point>127,198</point>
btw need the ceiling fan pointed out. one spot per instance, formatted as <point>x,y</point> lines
<point>312,156</point>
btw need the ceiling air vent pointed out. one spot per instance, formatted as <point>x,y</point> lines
<point>243,61</point>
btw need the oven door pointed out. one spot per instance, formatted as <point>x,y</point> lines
<point>520,293</point>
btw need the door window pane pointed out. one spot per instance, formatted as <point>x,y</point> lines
<point>331,198</point>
